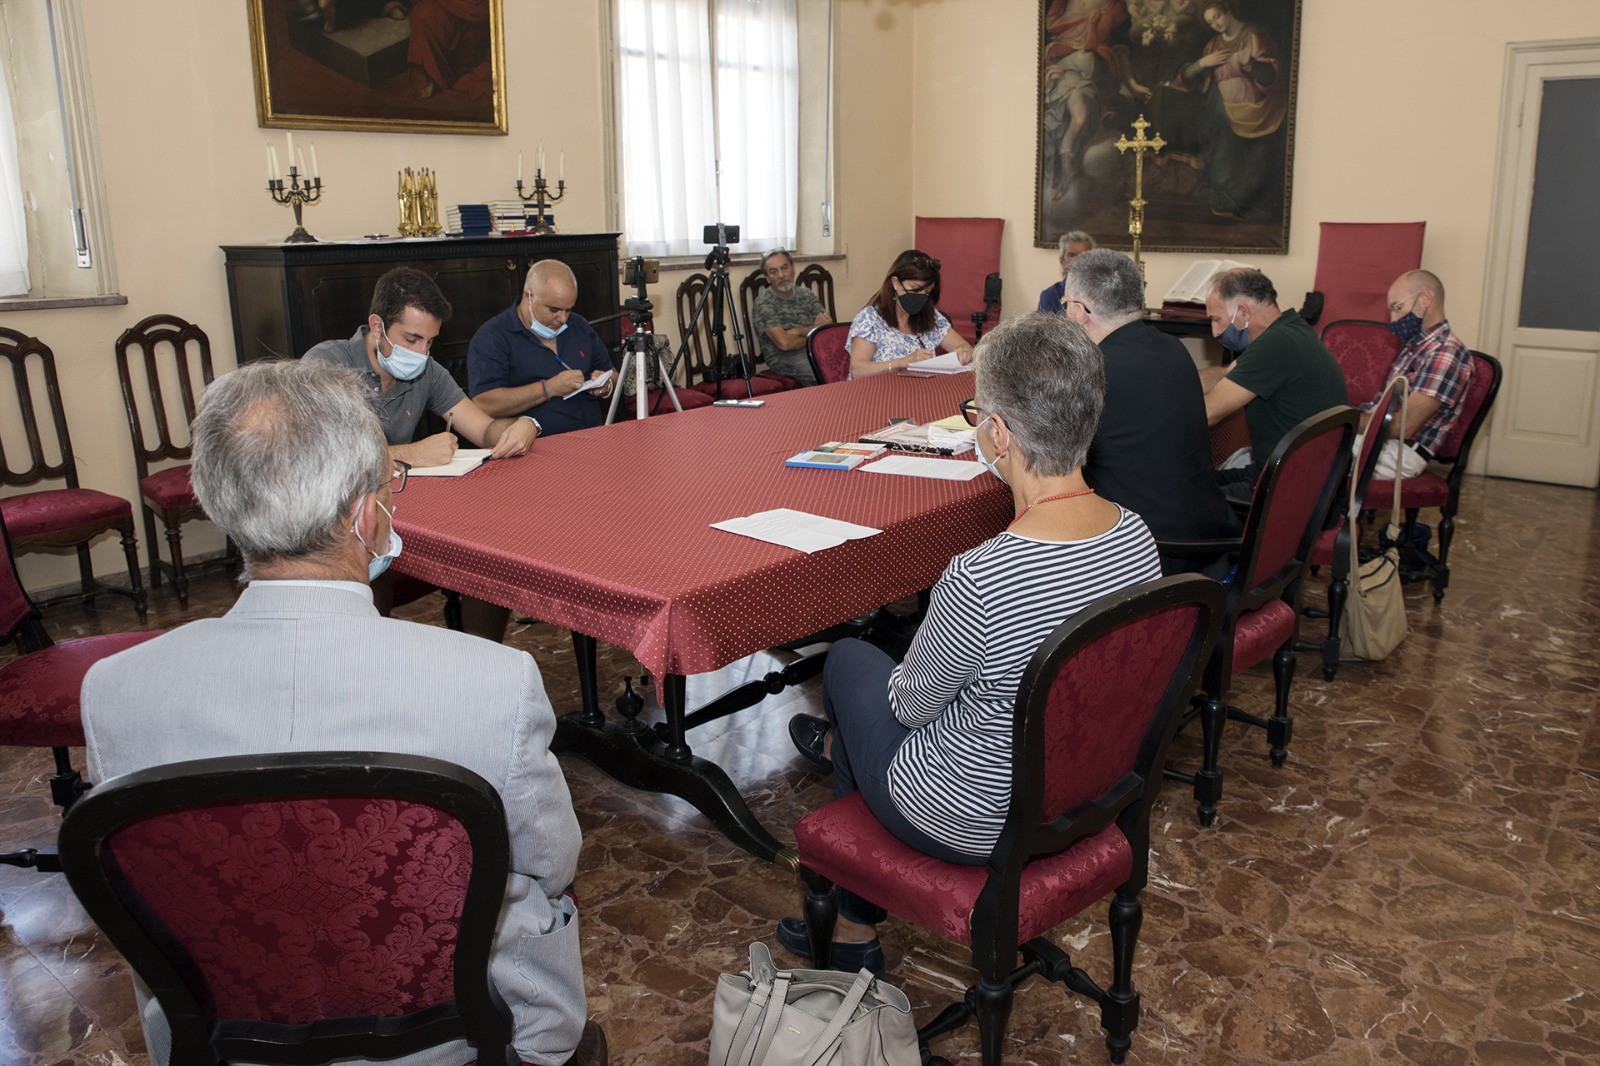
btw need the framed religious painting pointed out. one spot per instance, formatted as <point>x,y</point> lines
<point>421,66</point>
<point>1216,81</point>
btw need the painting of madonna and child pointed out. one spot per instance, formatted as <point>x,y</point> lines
<point>1215,78</point>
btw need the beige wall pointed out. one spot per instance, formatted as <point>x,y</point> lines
<point>1398,111</point>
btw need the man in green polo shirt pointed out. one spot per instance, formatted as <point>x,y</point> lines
<point>1283,375</point>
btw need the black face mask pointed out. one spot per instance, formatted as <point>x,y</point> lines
<point>913,303</point>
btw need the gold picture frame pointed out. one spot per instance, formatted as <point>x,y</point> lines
<point>1224,179</point>
<point>415,66</point>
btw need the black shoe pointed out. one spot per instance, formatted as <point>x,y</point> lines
<point>808,733</point>
<point>849,958</point>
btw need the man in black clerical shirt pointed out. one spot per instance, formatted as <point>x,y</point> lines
<point>1152,452</point>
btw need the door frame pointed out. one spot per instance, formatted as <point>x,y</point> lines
<point>1527,62</point>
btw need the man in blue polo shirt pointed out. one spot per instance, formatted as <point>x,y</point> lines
<point>532,357</point>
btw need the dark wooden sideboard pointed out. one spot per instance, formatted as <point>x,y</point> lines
<point>287,297</point>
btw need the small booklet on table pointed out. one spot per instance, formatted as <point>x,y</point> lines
<point>836,455</point>
<point>943,363</point>
<point>465,462</point>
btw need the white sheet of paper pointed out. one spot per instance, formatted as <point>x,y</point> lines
<point>796,529</point>
<point>592,383</point>
<point>923,466</point>
<point>943,363</point>
<point>466,460</point>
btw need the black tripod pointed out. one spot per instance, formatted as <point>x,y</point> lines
<point>638,348</point>
<point>718,295</point>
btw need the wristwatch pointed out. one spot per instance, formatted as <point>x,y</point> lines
<point>535,422</point>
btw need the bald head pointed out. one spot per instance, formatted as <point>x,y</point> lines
<point>1418,292</point>
<point>546,271</point>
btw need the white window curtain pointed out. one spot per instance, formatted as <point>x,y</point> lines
<point>13,223</point>
<point>690,92</point>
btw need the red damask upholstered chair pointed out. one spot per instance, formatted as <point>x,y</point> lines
<point>303,907</point>
<point>68,517</point>
<point>969,251</point>
<point>162,352</point>
<point>1297,486</point>
<point>718,375</point>
<point>1443,491</point>
<point>1365,351</point>
<point>1097,707</point>
<point>39,692</point>
<point>828,349</point>
<point>1332,548</point>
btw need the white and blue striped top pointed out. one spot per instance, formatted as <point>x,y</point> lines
<point>956,689</point>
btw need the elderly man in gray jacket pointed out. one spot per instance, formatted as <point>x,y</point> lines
<point>290,462</point>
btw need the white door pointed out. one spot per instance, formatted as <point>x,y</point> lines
<point>1542,310</point>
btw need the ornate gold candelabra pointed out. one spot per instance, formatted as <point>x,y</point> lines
<point>296,195</point>
<point>1136,206</point>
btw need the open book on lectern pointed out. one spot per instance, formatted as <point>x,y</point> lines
<point>1196,281</point>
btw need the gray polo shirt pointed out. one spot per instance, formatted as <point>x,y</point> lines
<point>402,408</point>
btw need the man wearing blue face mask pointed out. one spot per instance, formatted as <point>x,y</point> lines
<point>1282,376</point>
<point>530,359</point>
<point>289,460</point>
<point>391,354</point>
<point>1437,369</point>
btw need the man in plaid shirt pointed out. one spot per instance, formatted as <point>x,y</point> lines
<point>1437,368</point>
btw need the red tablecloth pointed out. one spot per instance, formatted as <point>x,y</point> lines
<point>606,531</point>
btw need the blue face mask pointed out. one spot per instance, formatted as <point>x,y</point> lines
<point>977,446</point>
<point>402,364</point>
<point>542,330</point>
<point>1234,338</point>
<point>380,563</point>
<point>1408,327</point>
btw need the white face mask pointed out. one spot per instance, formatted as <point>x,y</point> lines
<point>402,364</point>
<point>380,563</point>
<point>977,447</point>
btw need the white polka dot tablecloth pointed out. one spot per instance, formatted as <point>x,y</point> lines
<point>607,531</point>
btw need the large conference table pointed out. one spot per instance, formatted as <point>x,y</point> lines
<point>607,532</point>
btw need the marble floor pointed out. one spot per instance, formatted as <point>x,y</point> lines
<point>1419,884</point>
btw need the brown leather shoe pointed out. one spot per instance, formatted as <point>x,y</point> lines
<point>591,1049</point>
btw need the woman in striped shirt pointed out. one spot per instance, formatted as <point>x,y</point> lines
<point>928,742</point>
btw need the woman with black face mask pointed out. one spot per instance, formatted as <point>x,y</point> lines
<point>902,325</point>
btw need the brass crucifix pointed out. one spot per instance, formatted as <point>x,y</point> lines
<point>1136,206</point>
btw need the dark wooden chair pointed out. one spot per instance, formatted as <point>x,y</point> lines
<point>1429,489</point>
<point>1262,617</point>
<point>39,693</point>
<point>162,352</point>
<point>828,349</point>
<point>70,517</point>
<point>749,289</point>
<point>247,834</point>
<point>1098,706</point>
<point>709,369</point>
<point>816,278</point>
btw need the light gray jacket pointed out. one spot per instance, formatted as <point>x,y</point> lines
<point>313,667</point>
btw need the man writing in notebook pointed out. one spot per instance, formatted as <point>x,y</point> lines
<point>533,358</point>
<point>390,353</point>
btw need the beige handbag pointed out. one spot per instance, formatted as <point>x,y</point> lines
<point>1375,612</point>
<point>773,1017</point>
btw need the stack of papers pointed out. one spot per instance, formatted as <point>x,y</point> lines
<point>465,462</point>
<point>796,529</point>
<point>924,466</point>
<point>943,363</point>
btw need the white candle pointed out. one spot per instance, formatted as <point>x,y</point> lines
<point>540,168</point>
<point>314,171</point>
<point>563,175</point>
<point>269,162</point>
<point>272,150</point>
<point>519,168</point>
<point>291,150</point>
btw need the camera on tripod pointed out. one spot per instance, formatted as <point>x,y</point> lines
<point>719,236</point>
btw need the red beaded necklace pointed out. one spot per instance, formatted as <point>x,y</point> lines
<point>1048,499</point>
